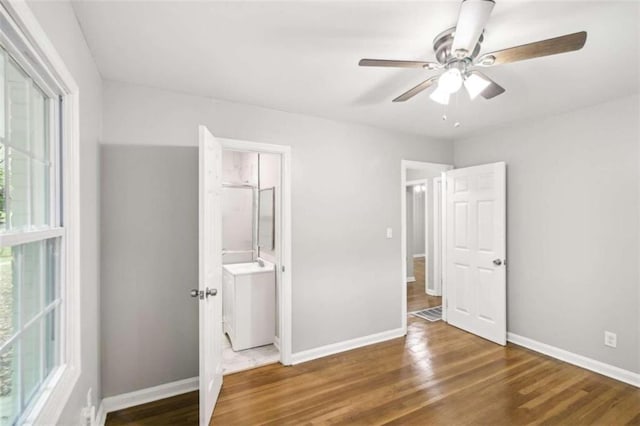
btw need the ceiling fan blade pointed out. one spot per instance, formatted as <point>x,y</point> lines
<point>397,64</point>
<point>473,16</point>
<point>552,46</point>
<point>492,90</point>
<point>419,88</point>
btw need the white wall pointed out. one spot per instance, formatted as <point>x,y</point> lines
<point>59,22</point>
<point>573,227</point>
<point>238,229</point>
<point>345,272</point>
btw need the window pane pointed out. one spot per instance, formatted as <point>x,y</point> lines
<point>3,201</point>
<point>38,124</point>
<point>18,179</point>
<point>31,360</point>
<point>52,272</point>
<point>9,393</point>
<point>8,296</point>
<point>31,279</point>
<point>18,107</point>
<point>51,339</point>
<point>39,193</point>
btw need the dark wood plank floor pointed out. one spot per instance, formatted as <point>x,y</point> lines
<point>436,375</point>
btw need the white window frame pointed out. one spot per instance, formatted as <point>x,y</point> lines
<point>32,48</point>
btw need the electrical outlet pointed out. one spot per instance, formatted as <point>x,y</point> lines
<point>610,339</point>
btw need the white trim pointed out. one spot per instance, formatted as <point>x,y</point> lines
<point>55,394</point>
<point>347,345</point>
<point>101,416</point>
<point>432,293</point>
<point>17,238</point>
<point>420,255</point>
<point>276,342</point>
<point>284,277</point>
<point>411,279</point>
<point>404,165</point>
<point>599,367</point>
<point>143,396</point>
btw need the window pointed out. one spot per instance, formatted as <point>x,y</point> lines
<point>31,238</point>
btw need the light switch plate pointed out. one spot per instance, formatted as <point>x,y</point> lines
<point>610,339</point>
<point>389,233</point>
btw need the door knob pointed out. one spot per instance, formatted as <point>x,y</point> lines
<point>211,291</point>
<point>194,292</point>
<point>497,262</point>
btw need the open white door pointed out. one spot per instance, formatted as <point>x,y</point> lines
<point>210,272</point>
<point>475,250</point>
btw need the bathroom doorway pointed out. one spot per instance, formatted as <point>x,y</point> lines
<point>255,249</point>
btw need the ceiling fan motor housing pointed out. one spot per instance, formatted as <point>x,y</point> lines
<point>442,48</point>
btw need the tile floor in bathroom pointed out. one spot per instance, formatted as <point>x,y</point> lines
<point>232,362</point>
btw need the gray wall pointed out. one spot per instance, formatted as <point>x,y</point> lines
<point>342,262</point>
<point>149,258</point>
<point>59,23</point>
<point>573,227</point>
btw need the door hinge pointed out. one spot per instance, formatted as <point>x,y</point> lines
<point>282,268</point>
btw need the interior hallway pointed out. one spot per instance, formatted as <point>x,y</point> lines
<point>417,298</point>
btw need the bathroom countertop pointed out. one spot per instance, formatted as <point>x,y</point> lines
<point>248,268</point>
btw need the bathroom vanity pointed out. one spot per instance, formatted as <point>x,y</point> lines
<point>249,304</point>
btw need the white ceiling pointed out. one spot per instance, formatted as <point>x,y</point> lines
<point>302,56</point>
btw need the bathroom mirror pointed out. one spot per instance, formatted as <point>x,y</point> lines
<point>266,219</point>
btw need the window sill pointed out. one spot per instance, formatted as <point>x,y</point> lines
<point>55,392</point>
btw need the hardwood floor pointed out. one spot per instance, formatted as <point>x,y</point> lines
<point>416,297</point>
<point>436,375</point>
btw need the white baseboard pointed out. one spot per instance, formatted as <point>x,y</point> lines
<point>411,279</point>
<point>599,367</point>
<point>347,345</point>
<point>276,342</point>
<point>432,293</point>
<point>419,255</point>
<point>101,416</point>
<point>142,396</point>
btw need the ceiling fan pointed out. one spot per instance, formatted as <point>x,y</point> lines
<point>457,52</point>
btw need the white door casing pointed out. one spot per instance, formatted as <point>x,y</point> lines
<point>210,272</point>
<point>437,236</point>
<point>476,249</point>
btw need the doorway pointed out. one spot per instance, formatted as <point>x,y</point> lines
<point>257,205</point>
<point>465,249</point>
<point>420,232</point>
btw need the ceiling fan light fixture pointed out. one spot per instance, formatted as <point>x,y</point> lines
<point>473,16</point>
<point>487,61</point>
<point>450,81</point>
<point>440,96</point>
<point>475,85</point>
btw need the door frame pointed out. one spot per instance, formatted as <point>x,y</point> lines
<point>404,166</point>
<point>284,272</point>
